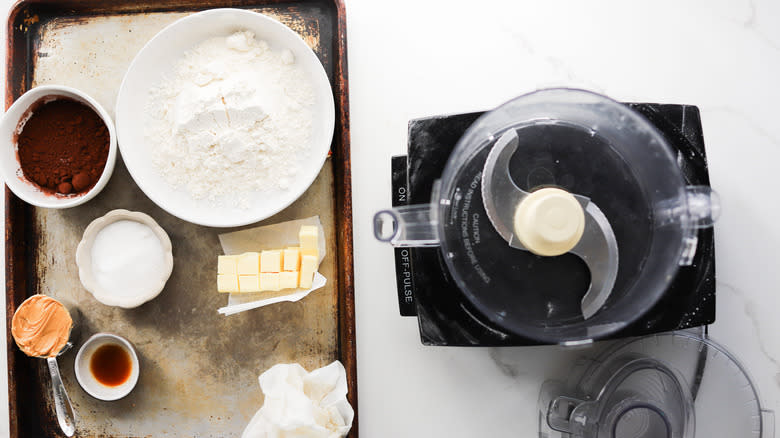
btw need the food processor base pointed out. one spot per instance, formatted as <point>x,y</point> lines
<point>426,290</point>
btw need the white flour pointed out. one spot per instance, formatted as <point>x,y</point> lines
<point>234,118</point>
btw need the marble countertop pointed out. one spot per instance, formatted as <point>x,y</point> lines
<point>412,59</point>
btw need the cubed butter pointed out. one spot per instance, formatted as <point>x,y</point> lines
<point>269,281</point>
<point>249,263</point>
<point>271,261</point>
<point>308,237</point>
<point>308,268</point>
<point>227,264</point>
<point>227,283</point>
<point>249,283</point>
<point>311,252</point>
<point>292,259</point>
<point>288,279</point>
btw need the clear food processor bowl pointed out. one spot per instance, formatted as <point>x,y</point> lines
<point>595,148</point>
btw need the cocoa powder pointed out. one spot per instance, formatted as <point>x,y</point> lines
<point>63,146</point>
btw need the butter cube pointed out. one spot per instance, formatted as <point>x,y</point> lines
<point>310,251</point>
<point>269,281</point>
<point>249,263</point>
<point>271,261</point>
<point>227,283</point>
<point>308,267</point>
<point>308,237</point>
<point>292,259</point>
<point>248,283</point>
<point>227,264</point>
<point>288,279</point>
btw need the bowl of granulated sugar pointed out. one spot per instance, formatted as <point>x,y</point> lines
<point>225,117</point>
<point>124,258</point>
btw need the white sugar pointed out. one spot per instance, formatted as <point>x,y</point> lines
<point>128,258</point>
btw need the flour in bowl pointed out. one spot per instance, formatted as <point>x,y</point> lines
<point>234,118</point>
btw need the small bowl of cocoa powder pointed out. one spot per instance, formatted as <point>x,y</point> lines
<point>58,147</point>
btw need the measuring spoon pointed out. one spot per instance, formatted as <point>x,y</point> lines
<point>27,324</point>
<point>66,417</point>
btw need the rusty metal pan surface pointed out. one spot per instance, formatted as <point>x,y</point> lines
<point>198,368</point>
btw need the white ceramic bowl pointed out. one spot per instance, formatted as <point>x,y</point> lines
<point>158,58</point>
<point>84,261</point>
<point>88,381</point>
<point>9,159</point>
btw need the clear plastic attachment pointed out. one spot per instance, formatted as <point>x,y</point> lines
<point>410,225</point>
<point>703,206</point>
<point>642,399</point>
<point>697,207</point>
<point>672,385</point>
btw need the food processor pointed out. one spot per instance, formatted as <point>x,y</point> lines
<point>671,385</point>
<point>561,216</point>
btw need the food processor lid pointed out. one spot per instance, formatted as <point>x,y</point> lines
<point>673,385</point>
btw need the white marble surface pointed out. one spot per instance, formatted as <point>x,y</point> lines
<point>411,58</point>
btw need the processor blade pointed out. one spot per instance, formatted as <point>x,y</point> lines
<point>597,247</point>
<point>500,195</point>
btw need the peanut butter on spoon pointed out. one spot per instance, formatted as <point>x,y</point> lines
<point>41,326</point>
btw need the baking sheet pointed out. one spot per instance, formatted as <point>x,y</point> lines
<point>198,368</point>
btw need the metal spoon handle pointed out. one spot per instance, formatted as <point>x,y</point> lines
<point>65,415</point>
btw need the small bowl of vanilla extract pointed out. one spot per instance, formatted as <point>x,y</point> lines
<point>107,367</point>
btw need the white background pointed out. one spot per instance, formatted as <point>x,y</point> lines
<point>411,58</point>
